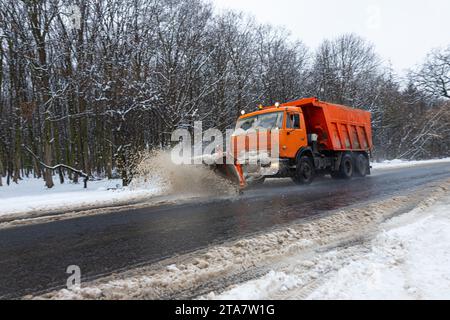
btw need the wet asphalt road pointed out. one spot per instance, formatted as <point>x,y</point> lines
<point>34,258</point>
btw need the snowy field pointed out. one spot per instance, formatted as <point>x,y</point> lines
<point>408,259</point>
<point>30,195</point>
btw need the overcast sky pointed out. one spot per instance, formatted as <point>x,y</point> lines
<point>403,31</point>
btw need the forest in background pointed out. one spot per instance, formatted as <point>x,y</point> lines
<point>90,83</point>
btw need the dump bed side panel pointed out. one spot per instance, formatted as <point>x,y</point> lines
<point>339,128</point>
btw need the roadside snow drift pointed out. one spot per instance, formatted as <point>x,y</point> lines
<point>393,164</point>
<point>30,195</point>
<point>408,259</point>
<point>155,175</point>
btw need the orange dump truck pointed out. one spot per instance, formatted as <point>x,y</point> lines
<point>313,138</point>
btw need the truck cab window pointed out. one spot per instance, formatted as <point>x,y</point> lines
<point>247,123</point>
<point>266,121</point>
<point>293,121</point>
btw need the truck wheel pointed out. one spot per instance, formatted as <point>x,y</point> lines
<point>304,173</point>
<point>346,168</point>
<point>361,165</point>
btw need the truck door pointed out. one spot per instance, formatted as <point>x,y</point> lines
<point>295,134</point>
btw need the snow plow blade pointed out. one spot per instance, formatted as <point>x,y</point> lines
<point>231,172</point>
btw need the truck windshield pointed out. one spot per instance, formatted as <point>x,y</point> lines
<point>273,120</point>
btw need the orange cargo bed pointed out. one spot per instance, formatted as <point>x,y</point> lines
<point>339,128</point>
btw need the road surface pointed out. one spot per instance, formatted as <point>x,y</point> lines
<point>34,258</point>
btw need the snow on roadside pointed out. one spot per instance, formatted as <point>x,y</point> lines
<point>156,174</point>
<point>258,290</point>
<point>408,259</point>
<point>30,195</point>
<point>392,164</point>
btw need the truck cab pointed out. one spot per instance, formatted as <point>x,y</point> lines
<point>289,123</point>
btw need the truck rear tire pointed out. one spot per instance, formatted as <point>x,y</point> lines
<point>345,169</point>
<point>361,165</point>
<point>304,173</point>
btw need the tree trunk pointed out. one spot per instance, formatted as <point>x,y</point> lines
<point>58,156</point>
<point>1,170</point>
<point>48,175</point>
<point>36,167</point>
<point>17,151</point>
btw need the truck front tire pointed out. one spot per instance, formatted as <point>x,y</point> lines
<point>304,172</point>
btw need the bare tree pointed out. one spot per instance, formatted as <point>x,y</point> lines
<point>434,75</point>
<point>345,70</point>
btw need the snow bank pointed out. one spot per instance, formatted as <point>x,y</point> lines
<point>411,261</point>
<point>261,288</point>
<point>408,259</point>
<point>31,195</point>
<point>391,164</point>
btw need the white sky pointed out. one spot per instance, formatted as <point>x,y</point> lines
<point>403,31</point>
